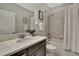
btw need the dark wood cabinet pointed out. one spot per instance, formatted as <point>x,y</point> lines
<point>40,52</point>
<point>20,53</point>
<point>38,49</point>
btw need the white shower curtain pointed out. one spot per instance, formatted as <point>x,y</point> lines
<point>71,28</point>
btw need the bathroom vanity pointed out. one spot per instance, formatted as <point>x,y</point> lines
<point>29,46</point>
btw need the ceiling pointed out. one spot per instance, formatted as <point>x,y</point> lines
<point>30,6</point>
<point>51,5</point>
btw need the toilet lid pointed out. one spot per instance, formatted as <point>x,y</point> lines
<point>49,46</point>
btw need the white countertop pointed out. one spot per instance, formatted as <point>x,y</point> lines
<point>11,46</point>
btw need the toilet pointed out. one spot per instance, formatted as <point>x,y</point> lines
<point>50,48</point>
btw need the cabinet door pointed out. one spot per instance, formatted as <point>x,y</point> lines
<point>40,52</point>
<point>33,49</point>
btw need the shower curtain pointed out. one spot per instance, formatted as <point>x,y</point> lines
<point>71,25</point>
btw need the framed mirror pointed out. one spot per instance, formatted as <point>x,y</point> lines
<point>40,15</point>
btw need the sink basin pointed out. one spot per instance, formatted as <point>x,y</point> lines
<point>23,40</point>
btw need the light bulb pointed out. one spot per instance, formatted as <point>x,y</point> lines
<point>36,22</point>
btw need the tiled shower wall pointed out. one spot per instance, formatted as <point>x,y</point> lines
<point>56,22</point>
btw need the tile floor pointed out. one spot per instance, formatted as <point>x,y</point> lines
<point>60,50</point>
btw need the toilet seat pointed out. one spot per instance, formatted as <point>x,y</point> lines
<point>51,47</point>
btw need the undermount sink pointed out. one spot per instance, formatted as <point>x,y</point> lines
<point>23,40</point>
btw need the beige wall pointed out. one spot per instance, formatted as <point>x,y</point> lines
<point>56,22</point>
<point>20,12</point>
